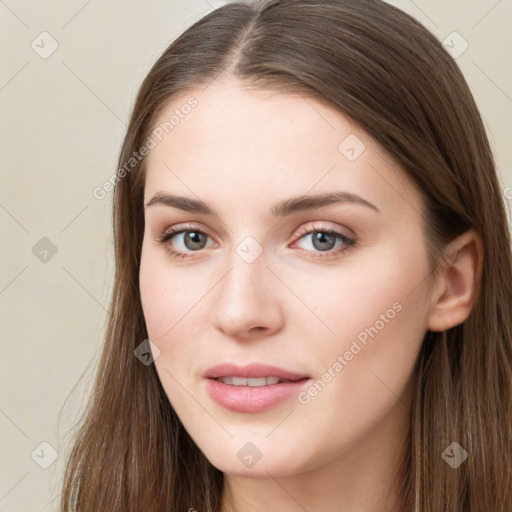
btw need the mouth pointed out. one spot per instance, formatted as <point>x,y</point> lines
<point>253,374</point>
<point>252,388</point>
<point>254,382</point>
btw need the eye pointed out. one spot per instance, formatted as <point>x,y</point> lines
<point>325,242</point>
<point>186,238</point>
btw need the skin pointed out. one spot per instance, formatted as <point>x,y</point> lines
<point>241,151</point>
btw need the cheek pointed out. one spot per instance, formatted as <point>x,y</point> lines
<point>364,370</point>
<point>175,312</point>
<point>167,295</point>
<point>377,313</point>
<point>369,292</point>
<point>379,317</point>
<point>155,301</point>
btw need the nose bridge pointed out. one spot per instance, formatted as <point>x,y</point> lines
<point>245,299</point>
<point>247,278</point>
<point>247,261</point>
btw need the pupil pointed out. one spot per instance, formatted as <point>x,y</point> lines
<point>194,238</point>
<point>319,240</point>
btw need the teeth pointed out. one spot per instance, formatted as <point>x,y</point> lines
<point>254,382</point>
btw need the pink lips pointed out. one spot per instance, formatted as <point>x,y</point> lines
<point>250,399</point>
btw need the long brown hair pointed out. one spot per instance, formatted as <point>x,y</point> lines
<point>385,71</point>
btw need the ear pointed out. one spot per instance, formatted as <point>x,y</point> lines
<point>457,283</point>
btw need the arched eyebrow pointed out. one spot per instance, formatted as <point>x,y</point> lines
<point>281,209</point>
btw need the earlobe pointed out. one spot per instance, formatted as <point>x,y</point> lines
<point>458,282</point>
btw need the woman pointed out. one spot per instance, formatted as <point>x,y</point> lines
<point>313,290</point>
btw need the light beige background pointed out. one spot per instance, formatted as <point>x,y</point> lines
<point>62,122</point>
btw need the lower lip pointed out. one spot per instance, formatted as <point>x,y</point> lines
<point>252,399</point>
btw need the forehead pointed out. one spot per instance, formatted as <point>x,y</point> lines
<point>265,144</point>
<point>228,113</point>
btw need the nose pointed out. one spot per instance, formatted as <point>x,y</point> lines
<point>247,303</point>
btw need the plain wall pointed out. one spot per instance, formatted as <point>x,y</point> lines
<point>62,122</point>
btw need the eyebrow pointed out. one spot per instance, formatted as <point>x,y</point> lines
<point>280,209</point>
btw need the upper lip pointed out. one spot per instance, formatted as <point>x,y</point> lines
<point>252,370</point>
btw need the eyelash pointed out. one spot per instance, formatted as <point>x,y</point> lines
<point>172,232</point>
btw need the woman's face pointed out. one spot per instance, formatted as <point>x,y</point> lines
<point>314,262</point>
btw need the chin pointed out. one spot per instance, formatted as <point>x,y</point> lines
<point>248,459</point>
